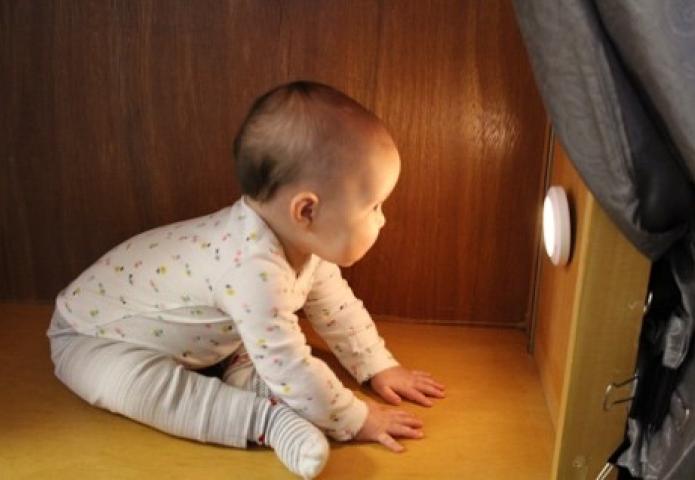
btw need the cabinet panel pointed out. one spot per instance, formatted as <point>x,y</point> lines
<point>599,304</point>
<point>557,285</point>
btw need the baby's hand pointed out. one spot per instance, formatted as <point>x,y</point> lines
<point>413,385</point>
<point>385,423</point>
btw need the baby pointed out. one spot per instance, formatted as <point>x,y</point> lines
<point>130,332</point>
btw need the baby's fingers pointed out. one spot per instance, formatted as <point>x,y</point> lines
<point>404,431</point>
<point>430,390</point>
<point>435,383</point>
<point>416,396</point>
<point>389,395</point>
<point>388,441</point>
<point>408,419</point>
<point>427,377</point>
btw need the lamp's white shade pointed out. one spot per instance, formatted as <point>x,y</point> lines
<point>557,235</point>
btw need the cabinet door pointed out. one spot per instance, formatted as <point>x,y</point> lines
<point>605,322</point>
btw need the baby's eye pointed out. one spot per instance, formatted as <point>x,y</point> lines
<point>377,207</point>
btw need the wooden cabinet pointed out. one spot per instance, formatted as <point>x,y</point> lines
<point>589,316</point>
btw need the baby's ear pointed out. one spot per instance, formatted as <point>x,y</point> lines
<point>303,208</point>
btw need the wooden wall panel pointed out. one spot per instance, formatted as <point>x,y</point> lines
<point>119,116</point>
<point>458,92</point>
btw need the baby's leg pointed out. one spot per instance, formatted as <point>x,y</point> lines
<point>240,372</point>
<point>152,388</point>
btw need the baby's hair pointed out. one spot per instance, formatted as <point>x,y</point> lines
<point>293,130</point>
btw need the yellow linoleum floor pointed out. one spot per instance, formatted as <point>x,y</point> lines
<point>494,423</point>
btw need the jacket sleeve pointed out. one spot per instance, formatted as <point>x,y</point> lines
<point>255,295</point>
<point>344,323</point>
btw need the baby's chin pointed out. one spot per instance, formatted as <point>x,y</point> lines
<point>347,259</point>
<point>349,262</point>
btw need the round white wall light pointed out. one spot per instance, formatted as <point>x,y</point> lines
<point>557,235</point>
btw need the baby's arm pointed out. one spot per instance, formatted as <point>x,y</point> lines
<point>255,295</point>
<point>341,319</point>
<point>344,323</point>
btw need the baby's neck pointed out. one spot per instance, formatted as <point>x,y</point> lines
<point>296,258</point>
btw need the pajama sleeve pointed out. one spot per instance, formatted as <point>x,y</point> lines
<point>255,294</point>
<point>344,323</point>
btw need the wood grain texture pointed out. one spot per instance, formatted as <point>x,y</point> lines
<point>119,116</point>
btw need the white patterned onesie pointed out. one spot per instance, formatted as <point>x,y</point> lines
<point>214,286</point>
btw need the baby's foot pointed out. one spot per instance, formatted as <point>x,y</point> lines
<point>301,446</point>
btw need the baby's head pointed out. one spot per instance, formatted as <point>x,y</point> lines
<point>317,166</point>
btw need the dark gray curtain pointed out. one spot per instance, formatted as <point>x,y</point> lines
<point>618,81</point>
